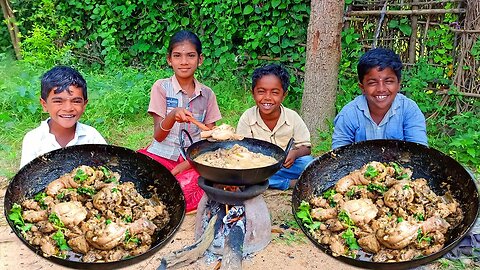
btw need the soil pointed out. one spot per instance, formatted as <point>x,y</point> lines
<point>289,248</point>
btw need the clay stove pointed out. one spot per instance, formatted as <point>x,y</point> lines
<point>243,225</point>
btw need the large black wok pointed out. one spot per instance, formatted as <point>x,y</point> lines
<point>238,177</point>
<point>425,162</point>
<point>132,166</point>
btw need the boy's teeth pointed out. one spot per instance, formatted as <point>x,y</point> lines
<point>381,97</point>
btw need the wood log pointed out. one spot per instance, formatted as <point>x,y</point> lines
<point>406,12</point>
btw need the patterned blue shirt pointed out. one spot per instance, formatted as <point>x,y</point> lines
<point>403,121</point>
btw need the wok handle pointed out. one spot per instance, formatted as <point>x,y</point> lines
<point>290,144</point>
<point>182,143</point>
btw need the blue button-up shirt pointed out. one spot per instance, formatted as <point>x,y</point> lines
<point>403,121</point>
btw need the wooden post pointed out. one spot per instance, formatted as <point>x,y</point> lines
<point>412,46</point>
<point>12,27</point>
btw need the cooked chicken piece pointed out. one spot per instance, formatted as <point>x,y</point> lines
<point>31,204</point>
<point>131,197</point>
<point>65,181</point>
<point>354,178</point>
<point>221,133</point>
<point>79,244</point>
<point>334,225</point>
<point>433,224</point>
<point>399,195</point>
<point>70,213</point>
<point>142,225</point>
<point>369,243</point>
<point>47,246</point>
<point>34,216</point>
<point>361,211</point>
<point>379,167</point>
<point>337,248</point>
<point>91,256</point>
<point>116,255</point>
<point>105,237</point>
<point>319,202</point>
<point>423,193</point>
<point>139,250</point>
<point>106,198</point>
<point>397,235</point>
<point>323,214</point>
<point>45,226</point>
<point>409,254</point>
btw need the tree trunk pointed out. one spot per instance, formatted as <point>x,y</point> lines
<point>321,67</point>
<point>12,27</point>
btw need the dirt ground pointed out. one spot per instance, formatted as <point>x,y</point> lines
<point>289,249</point>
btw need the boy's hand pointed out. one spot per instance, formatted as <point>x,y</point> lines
<point>292,155</point>
<point>185,165</point>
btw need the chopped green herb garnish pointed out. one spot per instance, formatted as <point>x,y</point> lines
<point>80,176</point>
<point>114,189</point>
<point>61,195</point>
<point>40,198</point>
<point>405,187</point>
<point>329,196</point>
<point>129,238</point>
<point>86,190</point>
<point>389,214</point>
<point>399,219</point>
<point>376,187</point>
<point>15,216</point>
<point>345,218</point>
<point>304,214</point>
<point>98,216</point>
<point>370,172</point>
<point>351,192</point>
<point>423,237</point>
<point>127,218</point>
<point>106,172</point>
<point>350,239</point>
<point>60,239</point>
<point>403,176</point>
<point>108,221</point>
<point>419,216</point>
<point>55,220</point>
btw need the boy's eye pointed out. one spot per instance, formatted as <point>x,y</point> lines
<point>192,55</point>
<point>77,101</point>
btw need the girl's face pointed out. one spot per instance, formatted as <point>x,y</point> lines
<point>184,59</point>
<point>268,94</point>
<point>380,88</point>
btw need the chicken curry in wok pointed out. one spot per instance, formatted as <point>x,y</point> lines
<point>90,212</point>
<point>381,214</point>
<point>236,157</point>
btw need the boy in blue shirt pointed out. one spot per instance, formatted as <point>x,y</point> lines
<point>64,97</point>
<point>381,112</point>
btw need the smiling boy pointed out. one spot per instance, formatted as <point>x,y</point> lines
<point>64,97</point>
<point>381,112</point>
<point>270,121</point>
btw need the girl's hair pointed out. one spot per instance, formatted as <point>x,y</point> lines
<point>60,78</point>
<point>185,35</point>
<point>272,69</point>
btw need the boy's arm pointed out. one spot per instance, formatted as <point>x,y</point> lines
<point>414,127</point>
<point>28,152</point>
<point>342,133</point>
<point>295,153</point>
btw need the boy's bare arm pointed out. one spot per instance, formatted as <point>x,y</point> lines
<point>295,153</point>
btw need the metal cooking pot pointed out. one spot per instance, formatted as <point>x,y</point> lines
<point>132,166</point>
<point>238,177</point>
<point>440,170</point>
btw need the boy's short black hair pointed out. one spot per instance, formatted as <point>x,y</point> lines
<point>272,69</point>
<point>379,58</point>
<point>185,35</point>
<point>60,78</point>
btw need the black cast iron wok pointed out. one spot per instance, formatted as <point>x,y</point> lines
<point>238,177</point>
<point>132,166</point>
<point>425,162</point>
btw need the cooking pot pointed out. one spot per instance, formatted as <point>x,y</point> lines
<point>442,172</point>
<point>237,177</point>
<point>132,166</point>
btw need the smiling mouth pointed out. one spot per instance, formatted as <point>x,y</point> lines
<point>381,98</point>
<point>267,105</point>
<point>67,116</point>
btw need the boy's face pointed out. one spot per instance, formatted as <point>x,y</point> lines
<point>65,108</point>
<point>268,94</point>
<point>380,88</point>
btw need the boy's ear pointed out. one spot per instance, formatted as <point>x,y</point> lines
<point>200,60</point>
<point>44,104</point>
<point>361,87</point>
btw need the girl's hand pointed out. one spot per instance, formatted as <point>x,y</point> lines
<point>185,165</point>
<point>181,115</point>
